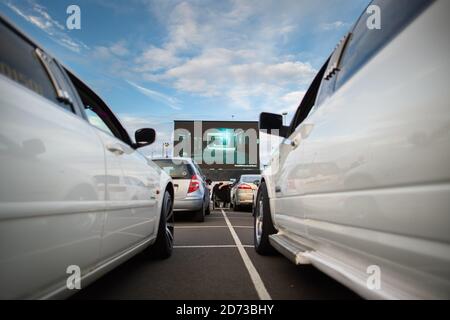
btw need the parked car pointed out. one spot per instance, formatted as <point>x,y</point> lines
<point>75,192</point>
<point>360,185</point>
<point>191,186</point>
<point>244,190</point>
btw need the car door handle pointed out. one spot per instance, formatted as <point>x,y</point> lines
<point>115,148</point>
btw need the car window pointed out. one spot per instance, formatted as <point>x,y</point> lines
<point>98,118</point>
<point>96,121</point>
<point>176,169</point>
<point>250,179</point>
<point>308,101</point>
<point>20,62</point>
<point>365,43</point>
<point>199,171</point>
<point>97,113</point>
<point>333,66</point>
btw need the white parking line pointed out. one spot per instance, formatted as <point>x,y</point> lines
<point>211,246</point>
<point>254,275</point>
<point>232,217</point>
<point>205,227</point>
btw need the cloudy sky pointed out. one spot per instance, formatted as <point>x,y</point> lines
<point>155,61</point>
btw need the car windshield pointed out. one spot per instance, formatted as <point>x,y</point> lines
<point>177,169</point>
<point>250,179</point>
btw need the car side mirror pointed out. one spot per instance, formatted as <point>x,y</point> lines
<point>273,123</point>
<point>256,183</point>
<point>208,182</point>
<point>144,137</point>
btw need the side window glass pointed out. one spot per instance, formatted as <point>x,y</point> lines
<point>309,100</point>
<point>365,43</point>
<point>96,120</point>
<point>334,65</point>
<point>19,62</point>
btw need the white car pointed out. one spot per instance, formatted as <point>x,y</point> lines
<point>360,186</point>
<point>244,190</point>
<point>76,196</point>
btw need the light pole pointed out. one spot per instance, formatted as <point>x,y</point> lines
<point>166,146</point>
<point>284,114</point>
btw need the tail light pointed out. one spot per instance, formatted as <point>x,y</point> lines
<point>194,185</point>
<point>245,187</point>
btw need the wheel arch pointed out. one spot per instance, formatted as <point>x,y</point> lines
<point>170,189</point>
<point>270,193</point>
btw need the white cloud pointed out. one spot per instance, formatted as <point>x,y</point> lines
<point>37,15</point>
<point>235,76</point>
<point>292,101</point>
<point>115,50</point>
<point>334,25</point>
<point>154,59</point>
<point>218,53</point>
<point>158,96</point>
<point>119,49</point>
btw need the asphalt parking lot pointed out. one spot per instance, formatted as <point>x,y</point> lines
<point>215,260</point>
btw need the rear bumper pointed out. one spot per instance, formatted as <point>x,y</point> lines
<point>188,204</point>
<point>244,198</point>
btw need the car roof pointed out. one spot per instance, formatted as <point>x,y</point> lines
<point>189,160</point>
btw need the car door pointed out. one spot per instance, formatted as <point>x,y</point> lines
<point>131,180</point>
<point>385,193</point>
<point>291,164</point>
<point>51,204</point>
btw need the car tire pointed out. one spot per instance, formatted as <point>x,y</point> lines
<point>163,246</point>
<point>199,215</point>
<point>263,225</point>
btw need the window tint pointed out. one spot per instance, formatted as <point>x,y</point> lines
<point>197,168</point>
<point>19,62</point>
<point>96,121</point>
<point>308,101</point>
<point>364,43</point>
<point>176,169</point>
<point>250,179</point>
<point>326,89</point>
<point>97,113</point>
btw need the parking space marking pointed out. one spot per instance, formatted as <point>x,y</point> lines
<point>212,246</point>
<point>202,227</point>
<point>232,217</point>
<point>254,275</point>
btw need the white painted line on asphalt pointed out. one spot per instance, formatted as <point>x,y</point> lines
<point>211,246</point>
<point>232,217</point>
<point>254,275</point>
<point>205,227</point>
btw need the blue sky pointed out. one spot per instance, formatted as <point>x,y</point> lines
<point>157,61</point>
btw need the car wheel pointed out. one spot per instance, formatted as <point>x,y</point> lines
<point>163,246</point>
<point>199,216</point>
<point>263,225</point>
